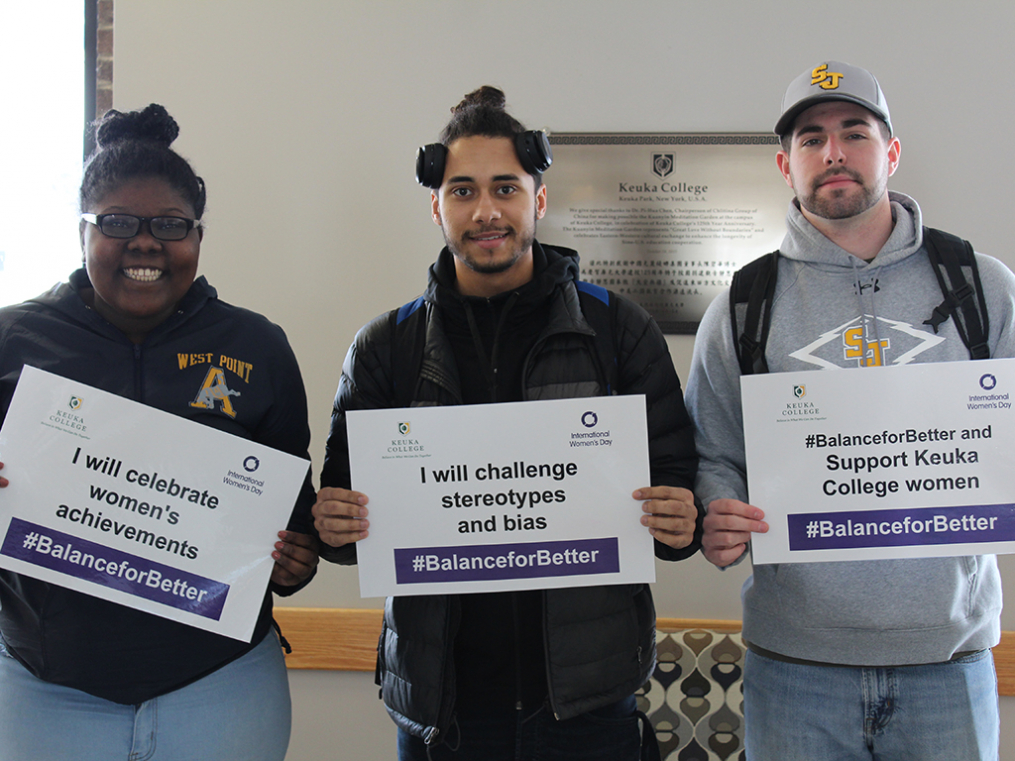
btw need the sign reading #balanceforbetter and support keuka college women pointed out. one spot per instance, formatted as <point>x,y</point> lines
<point>665,219</point>
<point>924,471</point>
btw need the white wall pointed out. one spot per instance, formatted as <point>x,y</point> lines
<point>304,116</point>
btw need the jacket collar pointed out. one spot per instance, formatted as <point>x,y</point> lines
<point>66,299</point>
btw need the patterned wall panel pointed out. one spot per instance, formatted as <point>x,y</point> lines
<point>695,697</point>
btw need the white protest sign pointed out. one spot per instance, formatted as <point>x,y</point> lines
<point>883,462</point>
<point>131,504</point>
<point>495,497</point>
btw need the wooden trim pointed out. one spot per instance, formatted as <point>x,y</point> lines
<point>1004,663</point>
<point>672,624</point>
<point>345,639</point>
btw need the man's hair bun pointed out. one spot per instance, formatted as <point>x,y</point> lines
<point>485,97</point>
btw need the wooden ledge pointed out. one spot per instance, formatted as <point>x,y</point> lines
<point>345,639</point>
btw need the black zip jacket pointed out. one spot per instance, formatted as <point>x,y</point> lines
<point>100,647</point>
<point>599,641</point>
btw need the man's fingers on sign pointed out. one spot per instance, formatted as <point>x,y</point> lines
<point>670,514</point>
<point>340,516</point>
<point>728,525</point>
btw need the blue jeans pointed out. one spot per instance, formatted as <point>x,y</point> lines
<point>938,712</point>
<point>610,733</point>
<point>240,711</point>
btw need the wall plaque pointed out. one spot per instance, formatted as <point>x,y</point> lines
<point>665,219</point>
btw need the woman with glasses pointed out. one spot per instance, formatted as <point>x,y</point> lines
<point>82,678</point>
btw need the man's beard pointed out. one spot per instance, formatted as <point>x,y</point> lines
<point>845,202</point>
<point>488,267</point>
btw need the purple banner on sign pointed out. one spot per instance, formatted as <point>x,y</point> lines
<point>506,561</point>
<point>111,568</point>
<point>902,527</point>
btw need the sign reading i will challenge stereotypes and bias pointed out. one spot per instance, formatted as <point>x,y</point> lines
<point>883,462</point>
<point>496,497</point>
<point>134,505</point>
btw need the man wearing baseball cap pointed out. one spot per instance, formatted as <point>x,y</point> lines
<point>885,659</point>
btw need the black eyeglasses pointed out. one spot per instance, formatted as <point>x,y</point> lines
<point>127,225</point>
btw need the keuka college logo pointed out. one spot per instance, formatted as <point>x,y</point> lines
<point>662,164</point>
<point>406,446</point>
<point>75,402</point>
<point>799,409</point>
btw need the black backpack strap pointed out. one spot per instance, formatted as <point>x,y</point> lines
<point>408,336</point>
<point>600,310</point>
<point>754,285</point>
<point>963,302</point>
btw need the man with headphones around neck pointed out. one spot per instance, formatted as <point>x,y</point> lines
<point>514,675</point>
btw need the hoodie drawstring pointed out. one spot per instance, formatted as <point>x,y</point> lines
<point>863,313</point>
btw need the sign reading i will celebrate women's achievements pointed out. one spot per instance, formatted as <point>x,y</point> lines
<point>140,507</point>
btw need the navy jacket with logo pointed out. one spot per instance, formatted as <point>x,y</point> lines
<point>211,362</point>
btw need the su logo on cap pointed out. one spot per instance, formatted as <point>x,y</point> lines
<point>825,79</point>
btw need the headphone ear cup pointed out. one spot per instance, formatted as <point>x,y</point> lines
<point>430,160</point>
<point>533,149</point>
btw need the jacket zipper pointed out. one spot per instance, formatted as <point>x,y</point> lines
<point>546,650</point>
<point>447,692</point>
<point>138,375</point>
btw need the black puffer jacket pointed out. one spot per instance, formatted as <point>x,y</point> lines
<point>599,641</point>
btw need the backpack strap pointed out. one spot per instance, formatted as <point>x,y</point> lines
<point>754,285</point>
<point>408,336</point>
<point>600,310</point>
<point>948,254</point>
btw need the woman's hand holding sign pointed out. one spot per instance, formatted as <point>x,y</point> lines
<point>295,558</point>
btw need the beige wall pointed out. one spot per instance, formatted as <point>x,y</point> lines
<point>303,117</point>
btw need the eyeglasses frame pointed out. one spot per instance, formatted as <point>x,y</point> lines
<point>96,219</point>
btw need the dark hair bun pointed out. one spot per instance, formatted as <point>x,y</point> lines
<point>152,123</point>
<point>485,97</point>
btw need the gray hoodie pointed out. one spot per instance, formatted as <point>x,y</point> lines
<point>880,612</point>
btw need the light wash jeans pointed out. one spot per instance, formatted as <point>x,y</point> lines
<point>938,712</point>
<point>241,712</point>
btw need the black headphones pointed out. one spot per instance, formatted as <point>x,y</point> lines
<point>532,147</point>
